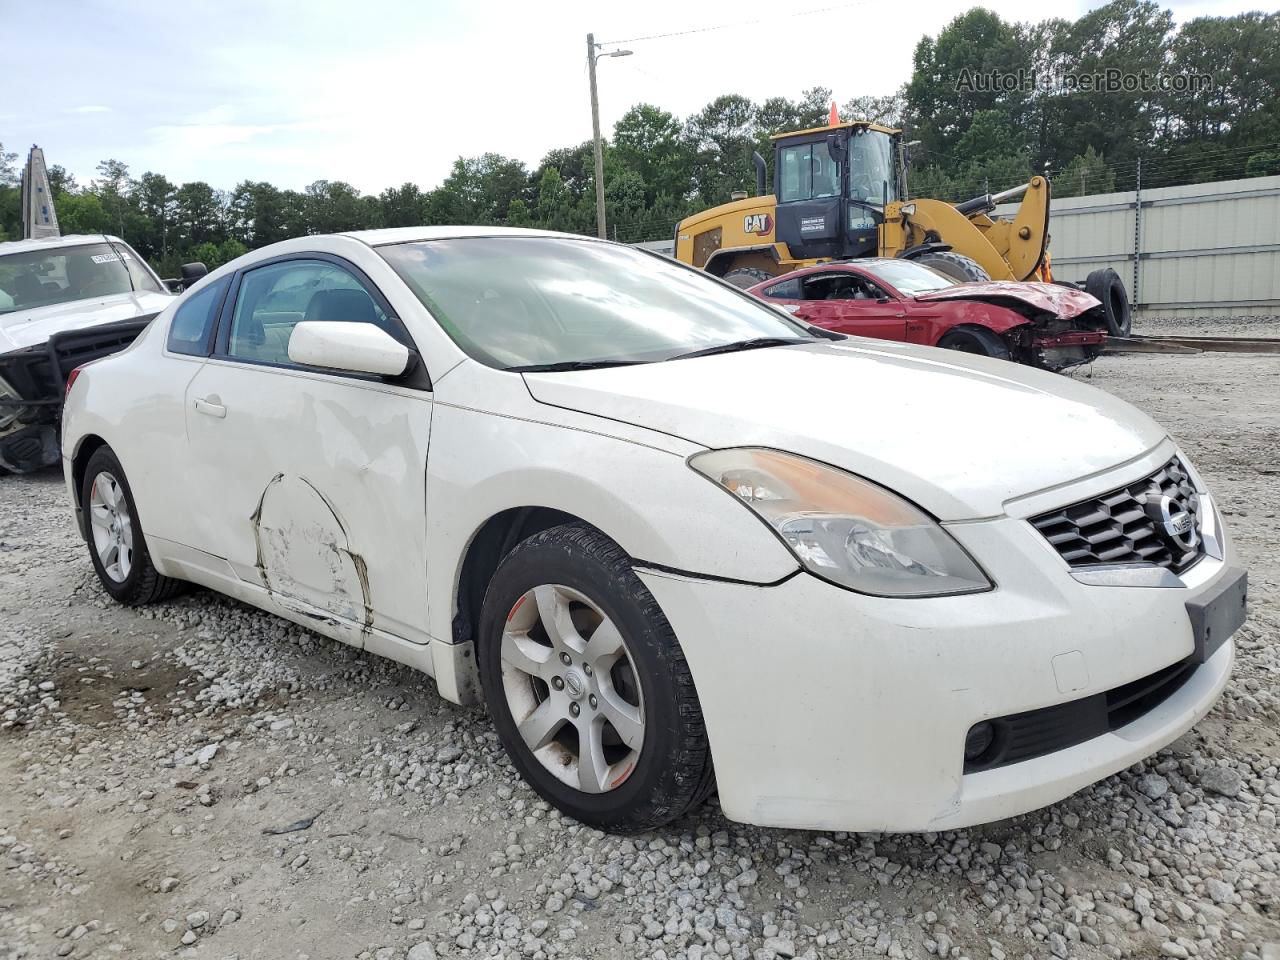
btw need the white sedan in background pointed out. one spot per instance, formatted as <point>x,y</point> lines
<point>675,540</point>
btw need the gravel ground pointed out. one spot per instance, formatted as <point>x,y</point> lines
<point>204,780</point>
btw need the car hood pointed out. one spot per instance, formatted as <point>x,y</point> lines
<point>27,328</point>
<point>1065,302</point>
<point>958,434</point>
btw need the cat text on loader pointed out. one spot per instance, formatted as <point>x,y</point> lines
<point>840,194</point>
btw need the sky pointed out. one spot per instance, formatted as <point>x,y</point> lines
<point>380,92</point>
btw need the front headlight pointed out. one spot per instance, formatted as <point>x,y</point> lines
<point>843,528</point>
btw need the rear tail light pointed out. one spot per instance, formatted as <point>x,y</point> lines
<point>71,379</point>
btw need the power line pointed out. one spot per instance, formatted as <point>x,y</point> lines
<point>736,23</point>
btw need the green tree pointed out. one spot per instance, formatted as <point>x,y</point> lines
<point>1265,163</point>
<point>650,143</point>
<point>112,188</point>
<point>723,136</point>
<point>957,75</point>
<point>198,214</point>
<point>8,168</point>
<point>402,206</point>
<point>1084,174</point>
<point>156,200</point>
<point>479,190</point>
<point>333,207</point>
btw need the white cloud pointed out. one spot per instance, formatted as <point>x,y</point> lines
<point>89,108</point>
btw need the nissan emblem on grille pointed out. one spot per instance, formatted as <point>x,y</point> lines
<point>1176,524</point>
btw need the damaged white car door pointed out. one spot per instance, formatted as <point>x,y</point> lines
<point>311,479</point>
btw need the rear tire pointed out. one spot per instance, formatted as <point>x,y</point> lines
<point>955,265</point>
<point>745,277</point>
<point>1106,286</point>
<point>117,546</point>
<point>634,715</point>
<point>977,340</point>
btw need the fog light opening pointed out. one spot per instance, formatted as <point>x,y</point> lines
<point>979,740</point>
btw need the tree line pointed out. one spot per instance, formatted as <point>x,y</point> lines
<point>974,132</point>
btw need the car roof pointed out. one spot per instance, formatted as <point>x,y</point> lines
<point>377,238</point>
<point>54,243</point>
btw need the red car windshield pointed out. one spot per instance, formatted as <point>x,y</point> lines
<point>908,278</point>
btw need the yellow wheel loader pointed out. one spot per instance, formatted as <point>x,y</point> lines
<point>840,193</point>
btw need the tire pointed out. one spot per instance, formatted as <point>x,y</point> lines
<point>1108,288</point>
<point>977,340</point>
<point>127,574</point>
<point>745,277</point>
<point>954,265</point>
<point>584,581</point>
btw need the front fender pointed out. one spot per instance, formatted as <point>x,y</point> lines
<point>646,499</point>
<point>974,314</point>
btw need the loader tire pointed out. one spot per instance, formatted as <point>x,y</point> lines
<point>1106,286</point>
<point>745,277</point>
<point>955,265</point>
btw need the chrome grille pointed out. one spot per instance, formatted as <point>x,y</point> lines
<point>1125,525</point>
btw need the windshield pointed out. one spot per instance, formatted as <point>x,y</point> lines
<point>909,278</point>
<point>533,301</point>
<point>871,173</point>
<point>41,278</point>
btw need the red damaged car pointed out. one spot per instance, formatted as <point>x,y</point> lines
<point>1042,324</point>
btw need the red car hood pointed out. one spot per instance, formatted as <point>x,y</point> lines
<point>1061,301</point>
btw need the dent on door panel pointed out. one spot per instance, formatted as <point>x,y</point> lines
<point>304,556</point>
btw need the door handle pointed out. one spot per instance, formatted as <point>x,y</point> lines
<point>211,406</point>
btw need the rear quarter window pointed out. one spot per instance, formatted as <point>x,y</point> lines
<point>191,330</point>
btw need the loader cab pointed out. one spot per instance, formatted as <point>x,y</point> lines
<point>831,185</point>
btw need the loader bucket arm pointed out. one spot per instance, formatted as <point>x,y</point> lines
<point>959,232</point>
<point>1028,235</point>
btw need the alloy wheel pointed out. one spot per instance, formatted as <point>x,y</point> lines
<point>112,526</point>
<point>572,689</point>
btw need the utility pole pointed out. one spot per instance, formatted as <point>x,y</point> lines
<point>595,137</point>
<point>596,143</point>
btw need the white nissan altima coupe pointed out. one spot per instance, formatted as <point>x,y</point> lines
<point>674,539</point>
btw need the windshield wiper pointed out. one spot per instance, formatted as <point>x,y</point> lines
<point>563,365</point>
<point>753,344</point>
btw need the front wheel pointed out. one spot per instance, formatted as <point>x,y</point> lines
<point>117,547</point>
<point>587,685</point>
<point>977,340</point>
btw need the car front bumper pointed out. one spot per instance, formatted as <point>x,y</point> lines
<point>831,710</point>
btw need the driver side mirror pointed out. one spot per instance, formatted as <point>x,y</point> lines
<point>191,272</point>
<point>349,347</point>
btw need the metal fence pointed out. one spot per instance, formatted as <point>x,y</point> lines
<point>1202,249</point>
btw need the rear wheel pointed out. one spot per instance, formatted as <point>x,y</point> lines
<point>1108,288</point>
<point>117,547</point>
<point>587,685</point>
<point>955,265</point>
<point>977,340</point>
<point>745,277</point>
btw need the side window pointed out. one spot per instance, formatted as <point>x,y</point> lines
<point>276,298</point>
<point>192,323</point>
<point>797,173</point>
<point>787,290</point>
